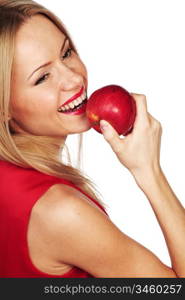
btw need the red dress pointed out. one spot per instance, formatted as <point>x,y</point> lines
<point>19,190</point>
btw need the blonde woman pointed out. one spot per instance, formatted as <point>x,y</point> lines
<point>52,221</point>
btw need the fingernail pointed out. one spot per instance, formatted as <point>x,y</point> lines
<point>103,125</point>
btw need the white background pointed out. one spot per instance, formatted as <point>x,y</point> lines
<point>140,46</point>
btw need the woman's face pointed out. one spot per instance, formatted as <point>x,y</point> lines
<point>37,92</point>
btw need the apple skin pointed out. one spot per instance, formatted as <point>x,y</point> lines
<point>115,105</point>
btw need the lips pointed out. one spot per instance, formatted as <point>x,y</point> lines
<point>73,97</point>
<point>79,111</point>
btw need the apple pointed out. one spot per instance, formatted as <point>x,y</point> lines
<point>115,105</point>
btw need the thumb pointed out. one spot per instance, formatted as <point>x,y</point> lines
<point>110,135</point>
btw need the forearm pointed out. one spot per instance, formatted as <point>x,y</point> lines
<point>170,215</point>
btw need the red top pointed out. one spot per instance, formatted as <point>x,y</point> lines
<point>19,190</point>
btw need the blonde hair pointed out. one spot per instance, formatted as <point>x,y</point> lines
<point>27,150</point>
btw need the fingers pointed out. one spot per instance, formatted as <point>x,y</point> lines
<point>110,135</point>
<point>155,123</point>
<point>141,105</point>
<point>142,116</point>
<point>140,102</point>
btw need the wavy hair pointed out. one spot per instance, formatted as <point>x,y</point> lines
<point>27,150</point>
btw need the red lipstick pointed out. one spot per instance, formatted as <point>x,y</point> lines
<point>79,108</point>
<point>79,111</point>
<point>75,96</point>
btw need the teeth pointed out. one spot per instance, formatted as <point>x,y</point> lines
<point>66,106</point>
<point>74,103</point>
<point>71,105</point>
<point>80,100</point>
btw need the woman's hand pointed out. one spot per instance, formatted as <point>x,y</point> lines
<point>139,151</point>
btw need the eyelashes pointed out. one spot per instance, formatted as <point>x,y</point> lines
<point>66,55</point>
<point>41,79</point>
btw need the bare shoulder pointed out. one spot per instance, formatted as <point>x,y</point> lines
<point>62,198</point>
<point>49,222</point>
<point>63,208</point>
<point>80,234</point>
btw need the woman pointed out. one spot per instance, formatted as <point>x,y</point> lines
<point>52,222</point>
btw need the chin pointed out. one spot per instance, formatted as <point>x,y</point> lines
<point>82,129</point>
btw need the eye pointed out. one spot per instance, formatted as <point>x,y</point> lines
<point>45,76</point>
<point>41,79</point>
<point>67,53</point>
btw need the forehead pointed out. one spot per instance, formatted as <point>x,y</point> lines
<point>37,39</point>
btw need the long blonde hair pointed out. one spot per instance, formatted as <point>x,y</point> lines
<point>27,150</point>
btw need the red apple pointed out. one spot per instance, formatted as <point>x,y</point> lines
<point>113,104</point>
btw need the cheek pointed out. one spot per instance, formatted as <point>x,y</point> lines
<point>83,68</point>
<point>79,67</point>
<point>36,105</point>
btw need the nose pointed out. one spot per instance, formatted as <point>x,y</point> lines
<point>70,79</point>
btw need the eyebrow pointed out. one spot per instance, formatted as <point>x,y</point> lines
<point>48,63</point>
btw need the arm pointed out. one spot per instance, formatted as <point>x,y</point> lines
<point>140,153</point>
<point>76,232</point>
<point>170,215</point>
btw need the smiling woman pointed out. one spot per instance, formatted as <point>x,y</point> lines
<point>55,77</point>
<point>52,220</point>
<point>42,76</point>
